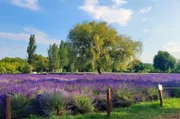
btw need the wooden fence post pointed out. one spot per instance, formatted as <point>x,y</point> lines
<point>161,95</point>
<point>8,107</point>
<point>109,103</point>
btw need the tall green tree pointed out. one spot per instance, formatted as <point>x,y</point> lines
<point>164,61</point>
<point>31,49</point>
<point>63,53</point>
<point>72,59</point>
<point>99,45</point>
<point>53,56</point>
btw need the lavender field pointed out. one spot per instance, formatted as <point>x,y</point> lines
<point>78,83</point>
<point>126,89</point>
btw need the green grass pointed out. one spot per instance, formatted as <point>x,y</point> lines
<point>145,110</point>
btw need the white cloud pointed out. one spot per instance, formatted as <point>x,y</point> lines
<point>145,10</point>
<point>41,37</point>
<point>28,4</point>
<point>145,30</point>
<point>110,14</point>
<point>144,19</point>
<point>171,47</point>
<point>119,2</point>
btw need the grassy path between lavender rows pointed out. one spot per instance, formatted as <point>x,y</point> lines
<point>144,110</point>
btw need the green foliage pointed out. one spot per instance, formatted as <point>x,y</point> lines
<point>83,104</point>
<point>99,45</point>
<point>12,65</point>
<point>2,68</point>
<point>143,68</point>
<point>151,94</point>
<point>63,53</point>
<point>131,66</point>
<point>31,49</point>
<point>48,104</point>
<point>53,56</point>
<point>147,68</point>
<point>139,67</point>
<point>19,103</point>
<point>27,68</point>
<point>123,98</point>
<point>10,68</point>
<point>164,61</point>
<point>100,102</point>
<point>58,103</point>
<point>40,63</point>
<point>174,92</point>
<point>177,66</point>
<point>35,117</point>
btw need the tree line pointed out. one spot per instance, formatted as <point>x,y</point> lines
<point>90,47</point>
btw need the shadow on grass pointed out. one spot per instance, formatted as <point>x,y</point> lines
<point>138,114</point>
<point>151,110</point>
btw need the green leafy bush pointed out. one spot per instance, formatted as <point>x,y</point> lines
<point>27,68</point>
<point>174,92</point>
<point>18,105</point>
<point>12,65</point>
<point>58,103</point>
<point>83,104</point>
<point>47,105</point>
<point>123,98</point>
<point>100,102</point>
<point>153,94</point>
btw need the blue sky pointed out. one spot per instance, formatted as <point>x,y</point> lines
<point>154,22</point>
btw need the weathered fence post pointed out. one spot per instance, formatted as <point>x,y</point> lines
<point>109,103</point>
<point>161,95</point>
<point>8,107</point>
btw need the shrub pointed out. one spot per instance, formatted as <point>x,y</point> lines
<point>58,103</point>
<point>83,104</point>
<point>145,94</point>
<point>153,94</point>
<point>100,102</point>
<point>174,92</point>
<point>18,106</point>
<point>47,104</point>
<point>123,98</point>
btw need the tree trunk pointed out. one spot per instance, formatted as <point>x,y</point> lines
<point>99,70</point>
<point>57,112</point>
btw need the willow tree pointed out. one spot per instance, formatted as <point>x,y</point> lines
<point>99,45</point>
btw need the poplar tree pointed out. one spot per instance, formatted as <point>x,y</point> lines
<point>63,54</point>
<point>53,56</point>
<point>31,49</point>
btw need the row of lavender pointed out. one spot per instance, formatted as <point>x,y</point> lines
<point>127,88</point>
